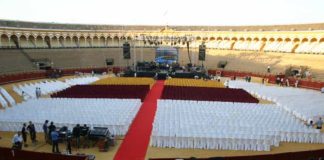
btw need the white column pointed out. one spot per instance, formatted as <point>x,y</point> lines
<point>18,41</point>
<point>78,42</point>
<point>9,40</point>
<point>63,44</point>
<point>27,41</point>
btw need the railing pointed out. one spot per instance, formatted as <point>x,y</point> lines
<point>10,154</point>
<point>17,77</point>
<point>316,85</point>
<point>303,155</point>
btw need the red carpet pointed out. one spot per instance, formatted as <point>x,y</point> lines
<point>137,138</point>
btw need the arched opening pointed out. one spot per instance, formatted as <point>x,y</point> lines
<point>205,38</point>
<point>129,38</point>
<point>313,40</point>
<point>271,39</point>
<point>68,42</point>
<point>82,42</point>
<point>212,38</point>
<point>109,41</point>
<point>88,42</point>
<point>40,42</point>
<point>255,39</point>
<point>75,42</point>
<point>32,42</point>
<point>102,41</point>
<point>249,39</point>
<point>198,38</point>
<point>23,41</point>
<point>122,40</point>
<point>219,38</point>
<point>116,41</point>
<point>321,40</point>
<point>55,42</point>
<point>304,40</point>
<point>47,40</point>
<point>296,40</point>
<point>95,42</point>
<point>264,39</point>
<point>287,40</point>
<point>14,43</point>
<point>4,41</point>
<point>242,39</point>
<point>234,39</point>
<point>279,39</point>
<point>61,41</point>
<point>226,38</point>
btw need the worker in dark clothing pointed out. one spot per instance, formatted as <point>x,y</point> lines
<point>55,139</point>
<point>32,132</point>
<point>51,128</point>
<point>24,134</point>
<point>76,134</point>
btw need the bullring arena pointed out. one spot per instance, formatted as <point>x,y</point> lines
<point>227,105</point>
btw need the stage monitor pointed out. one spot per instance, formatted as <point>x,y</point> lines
<point>166,55</point>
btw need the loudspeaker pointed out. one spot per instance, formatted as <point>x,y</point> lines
<point>126,50</point>
<point>109,61</point>
<point>202,52</point>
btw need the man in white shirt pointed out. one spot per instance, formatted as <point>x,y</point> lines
<point>322,90</point>
<point>17,141</point>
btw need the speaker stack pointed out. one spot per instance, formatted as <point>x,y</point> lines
<point>202,52</point>
<point>126,50</point>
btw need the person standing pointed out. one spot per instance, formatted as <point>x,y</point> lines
<point>24,134</point>
<point>319,123</point>
<point>51,128</point>
<point>269,69</point>
<point>23,95</point>
<point>36,92</point>
<point>68,145</point>
<point>32,132</point>
<point>45,130</point>
<point>296,83</point>
<point>287,82</point>
<point>310,124</point>
<point>55,138</point>
<point>77,133</point>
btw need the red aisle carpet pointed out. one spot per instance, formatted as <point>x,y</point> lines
<point>137,138</point>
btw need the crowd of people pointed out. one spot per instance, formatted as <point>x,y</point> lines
<point>285,82</point>
<point>51,136</point>
<point>20,138</point>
